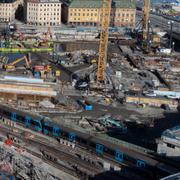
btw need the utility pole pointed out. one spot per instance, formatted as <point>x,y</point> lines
<point>171,29</point>
<point>148,36</point>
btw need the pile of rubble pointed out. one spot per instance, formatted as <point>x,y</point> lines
<point>23,165</point>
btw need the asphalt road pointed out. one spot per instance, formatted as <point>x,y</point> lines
<point>162,22</point>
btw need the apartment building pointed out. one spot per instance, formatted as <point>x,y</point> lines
<point>123,13</point>
<point>8,9</point>
<point>88,13</point>
<point>43,12</point>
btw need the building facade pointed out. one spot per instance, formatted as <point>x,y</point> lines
<point>7,10</point>
<point>43,12</point>
<point>88,13</point>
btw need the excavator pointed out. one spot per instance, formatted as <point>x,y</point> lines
<point>44,42</point>
<point>11,66</point>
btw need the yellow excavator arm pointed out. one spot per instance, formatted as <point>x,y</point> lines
<point>12,65</point>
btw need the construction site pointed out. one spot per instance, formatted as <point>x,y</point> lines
<point>82,105</point>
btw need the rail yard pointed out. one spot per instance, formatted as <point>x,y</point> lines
<point>89,103</point>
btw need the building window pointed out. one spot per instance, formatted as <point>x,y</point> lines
<point>91,14</point>
<point>87,14</point>
<point>79,14</point>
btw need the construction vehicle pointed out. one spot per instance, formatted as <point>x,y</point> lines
<point>44,42</point>
<point>57,73</point>
<point>102,58</point>
<point>11,66</point>
<point>93,61</point>
<point>147,38</point>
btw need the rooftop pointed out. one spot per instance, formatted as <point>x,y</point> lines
<point>44,1</point>
<point>98,4</point>
<point>7,1</point>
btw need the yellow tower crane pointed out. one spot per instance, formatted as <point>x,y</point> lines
<point>102,58</point>
<point>145,18</point>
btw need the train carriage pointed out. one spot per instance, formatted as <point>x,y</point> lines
<point>29,121</point>
<point>101,146</point>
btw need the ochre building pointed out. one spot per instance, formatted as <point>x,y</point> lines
<point>88,13</point>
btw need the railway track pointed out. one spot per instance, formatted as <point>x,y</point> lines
<point>72,160</point>
<point>79,165</point>
<point>54,155</point>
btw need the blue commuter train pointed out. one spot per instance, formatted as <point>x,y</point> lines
<point>94,144</point>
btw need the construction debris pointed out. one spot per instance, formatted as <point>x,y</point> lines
<point>26,166</point>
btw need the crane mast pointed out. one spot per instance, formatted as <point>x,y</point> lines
<point>102,56</point>
<point>146,15</point>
